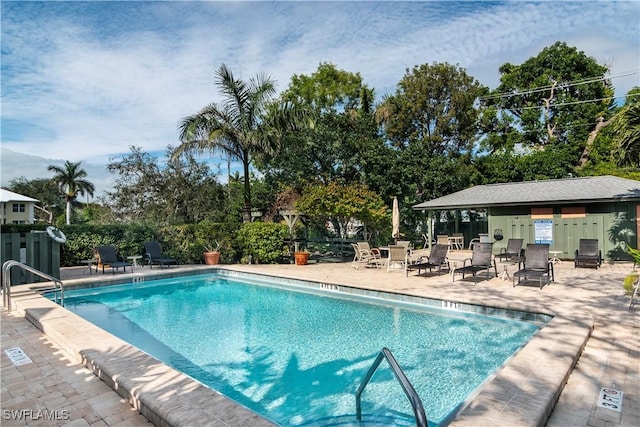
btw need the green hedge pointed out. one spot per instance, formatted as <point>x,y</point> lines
<point>265,242</point>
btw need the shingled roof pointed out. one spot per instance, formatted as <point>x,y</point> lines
<point>549,192</point>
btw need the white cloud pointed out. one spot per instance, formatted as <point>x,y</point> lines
<point>84,81</point>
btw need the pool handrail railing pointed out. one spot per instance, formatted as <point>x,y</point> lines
<point>6,281</point>
<point>409,391</point>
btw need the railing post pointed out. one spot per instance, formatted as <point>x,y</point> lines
<point>409,391</point>
<point>6,281</point>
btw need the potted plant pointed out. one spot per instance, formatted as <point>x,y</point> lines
<point>212,253</point>
<point>301,257</point>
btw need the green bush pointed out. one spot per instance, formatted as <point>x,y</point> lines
<point>208,233</point>
<point>178,241</point>
<point>630,282</point>
<point>82,239</point>
<point>265,242</point>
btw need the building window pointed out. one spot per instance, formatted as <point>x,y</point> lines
<point>19,207</point>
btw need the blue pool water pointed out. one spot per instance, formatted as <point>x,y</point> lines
<point>297,355</point>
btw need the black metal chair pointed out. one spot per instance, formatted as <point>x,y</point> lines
<point>536,265</point>
<point>588,254</point>
<point>108,257</point>
<point>153,254</point>
<point>481,259</point>
<point>513,250</point>
<point>436,259</point>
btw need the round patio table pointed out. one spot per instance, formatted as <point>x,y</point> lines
<point>134,260</point>
<point>555,258</point>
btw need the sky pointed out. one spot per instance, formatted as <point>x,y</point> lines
<point>84,81</point>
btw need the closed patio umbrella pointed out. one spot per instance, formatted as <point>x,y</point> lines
<point>395,219</point>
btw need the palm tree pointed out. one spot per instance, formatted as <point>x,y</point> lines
<point>626,128</point>
<point>244,125</point>
<point>70,179</point>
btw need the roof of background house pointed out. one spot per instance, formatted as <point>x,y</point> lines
<point>553,191</point>
<point>10,196</point>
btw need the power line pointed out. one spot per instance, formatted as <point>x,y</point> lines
<point>577,102</point>
<point>560,86</point>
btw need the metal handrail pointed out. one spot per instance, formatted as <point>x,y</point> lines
<point>6,281</point>
<point>414,399</point>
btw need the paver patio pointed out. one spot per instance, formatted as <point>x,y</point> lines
<point>57,382</point>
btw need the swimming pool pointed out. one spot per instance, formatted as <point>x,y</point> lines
<point>296,354</point>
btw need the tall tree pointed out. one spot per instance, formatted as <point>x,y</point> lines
<point>626,129</point>
<point>339,204</point>
<point>433,106</point>
<point>344,131</point>
<point>180,191</point>
<point>551,100</point>
<point>245,124</point>
<point>71,180</point>
<point>431,123</point>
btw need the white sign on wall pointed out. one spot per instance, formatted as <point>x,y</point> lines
<point>543,231</point>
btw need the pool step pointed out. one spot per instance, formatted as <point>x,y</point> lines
<point>370,420</point>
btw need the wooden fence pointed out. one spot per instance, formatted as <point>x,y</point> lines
<point>36,250</point>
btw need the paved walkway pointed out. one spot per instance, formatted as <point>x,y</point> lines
<point>54,390</point>
<point>54,385</point>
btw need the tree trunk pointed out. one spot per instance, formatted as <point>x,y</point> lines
<point>584,158</point>
<point>547,115</point>
<point>246,213</point>
<point>68,212</point>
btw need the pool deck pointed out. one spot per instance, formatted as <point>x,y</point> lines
<point>592,342</point>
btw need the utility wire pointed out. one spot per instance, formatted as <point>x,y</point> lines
<point>560,86</point>
<point>575,102</point>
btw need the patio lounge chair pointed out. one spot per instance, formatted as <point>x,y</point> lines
<point>153,255</point>
<point>365,255</point>
<point>108,257</point>
<point>536,265</point>
<point>375,253</point>
<point>513,250</point>
<point>588,254</point>
<point>481,259</point>
<point>398,255</point>
<point>436,259</point>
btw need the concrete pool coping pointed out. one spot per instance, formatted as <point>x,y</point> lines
<point>522,393</point>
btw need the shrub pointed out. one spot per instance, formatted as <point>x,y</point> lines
<point>630,282</point>
<point>265,242</point>
<point>183,242</point>
<point>82,239</point>
<point>632,279</point>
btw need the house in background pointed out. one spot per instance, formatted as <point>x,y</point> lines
<point>558,211</point>
<point>16,208</point>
